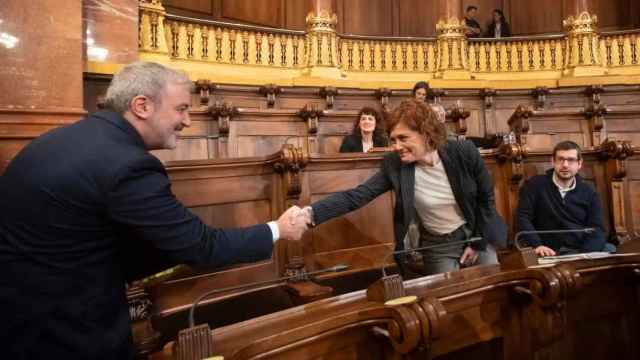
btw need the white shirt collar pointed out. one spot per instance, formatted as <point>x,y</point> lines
<point>563,190</point>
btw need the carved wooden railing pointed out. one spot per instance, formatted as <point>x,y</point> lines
<point>517,54</point>
<point>376,54</point>
<point>580,50</point>
<point>225,43</point>
<point>620,48</point>
<point>524,314</point>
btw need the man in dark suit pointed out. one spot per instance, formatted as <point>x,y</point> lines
<point>76,200</point>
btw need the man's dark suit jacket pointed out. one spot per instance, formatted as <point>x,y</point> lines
<point>353,143</point>
<point>470,181</point>
<point>82,208</point>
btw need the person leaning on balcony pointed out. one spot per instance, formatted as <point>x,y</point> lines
<point>472,29</point>
<point>499,27</point>
<point>368,132</point>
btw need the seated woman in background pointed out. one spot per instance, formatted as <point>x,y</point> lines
<point>368,132</point>
<point>443,186</point>
<point>420,91</point>
<point>499,27</point>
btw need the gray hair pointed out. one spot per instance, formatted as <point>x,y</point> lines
<point>141,78</point>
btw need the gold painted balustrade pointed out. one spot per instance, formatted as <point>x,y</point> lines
<point>234,53</point>
<point>233,44</point>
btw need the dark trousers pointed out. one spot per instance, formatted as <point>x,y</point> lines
<point>447,258</point>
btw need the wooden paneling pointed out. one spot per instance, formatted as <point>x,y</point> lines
<point>616,14</point>
<point>197,6</point>
<point>405,17</point>
<point>418,17</point>
<point>534,17</point>
<point>235,214</point>
<point>478,317</point>
<point>263,12</point>
<point>259,129</point>
<point>371,17</point>
<point>295,13</point>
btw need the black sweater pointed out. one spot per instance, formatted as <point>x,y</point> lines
<point>541,207</point>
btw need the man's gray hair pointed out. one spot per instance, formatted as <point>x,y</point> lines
<point>141,78</point>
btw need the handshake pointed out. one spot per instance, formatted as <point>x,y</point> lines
<point>294,222</point>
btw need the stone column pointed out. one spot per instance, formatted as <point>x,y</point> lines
<point>321,56</point>
<point>41,72</point>
<point>452,43</point>
<point>583,43</point>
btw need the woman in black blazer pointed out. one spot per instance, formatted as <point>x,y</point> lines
<point>499,27</point>
<point>430,177</point>
<point>368,132</point>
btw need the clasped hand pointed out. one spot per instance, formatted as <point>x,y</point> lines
<point>294,222</point>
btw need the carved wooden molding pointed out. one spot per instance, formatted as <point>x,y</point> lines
<point>519,122</point>
<point>616,150</point>
<point>204,87</point>
<point>311,114</point>
<point>291,162</point>
<point>329,92</point>
<point>549,292</point>
<point>615,153</point>
<point>270,91</point>
<point>540,94</point>
<point>459,116</point>
<point>596,113</point>
<point>146,338</point>
<point>594,91</point>
<point>488,95</point>
<point>514,154</point>
<point>383,94</point>
<point>416,323</point>
<point>223,112</point>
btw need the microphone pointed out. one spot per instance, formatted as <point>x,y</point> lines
<point>526,232</point>
<point>337,268</point>
<point>428,247</point>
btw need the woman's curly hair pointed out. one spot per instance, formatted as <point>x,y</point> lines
<point>419,117</point>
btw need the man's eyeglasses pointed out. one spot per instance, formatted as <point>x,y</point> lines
<point>570,161</point>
